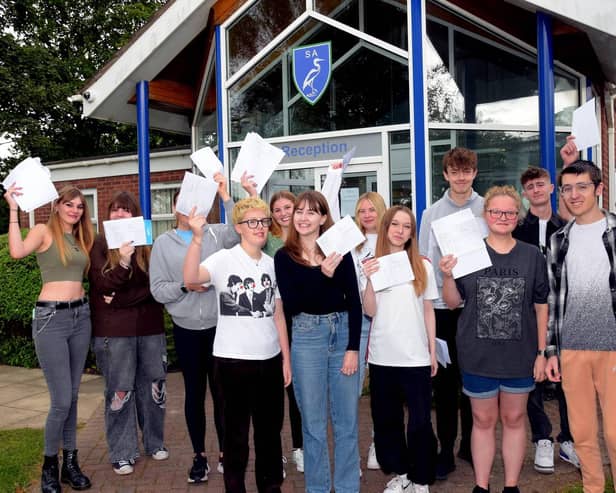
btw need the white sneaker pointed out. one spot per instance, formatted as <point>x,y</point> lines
<point>372,463</point>
<point>284,467</point>
<point>544,457</point>
<point>298,457</point>
<point>161,454</point>
<point>399,484</point>
<point>220,468</point>
<point>123,467</point>
<point>568,454</point>
<point>421,488</point>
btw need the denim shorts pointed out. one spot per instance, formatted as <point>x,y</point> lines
<point>480,387</point>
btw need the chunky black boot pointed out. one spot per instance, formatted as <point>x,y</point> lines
<point>49,478</point>
<point>71,473</point>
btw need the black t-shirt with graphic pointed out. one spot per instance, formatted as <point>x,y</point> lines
<point>497,330</point>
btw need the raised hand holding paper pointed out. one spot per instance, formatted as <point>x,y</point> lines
<point>34,179</point>
<point>258,158</point>
<point>394,269</point>
<point>119,231</point>
<point>341,238</point>
<point>196,191</point>
<point>207,162</point>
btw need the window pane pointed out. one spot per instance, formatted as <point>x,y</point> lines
<point>257,107</point>
<point>259,25</point>
<point>207,127</point>
<point>502,156</point>
<point>160,226</point>
<point>162,200</point>
<point>400,166</point>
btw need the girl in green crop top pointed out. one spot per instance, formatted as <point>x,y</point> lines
<point>61,325</point>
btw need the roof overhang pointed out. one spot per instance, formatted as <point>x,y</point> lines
<point>594,17</point>
<point>107,96</point>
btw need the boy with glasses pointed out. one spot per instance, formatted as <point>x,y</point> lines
<point>536,228</point>
<point>582,323</point>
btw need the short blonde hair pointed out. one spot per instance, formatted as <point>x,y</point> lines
<point>500,191</point>
<point>248,204</point>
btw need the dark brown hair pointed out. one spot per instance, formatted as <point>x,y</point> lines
<point>532,173</point>
<point>459,158</point>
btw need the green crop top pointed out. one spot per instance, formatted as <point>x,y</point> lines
<point>52,268</point>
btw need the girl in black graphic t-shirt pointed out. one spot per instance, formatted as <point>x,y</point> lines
<point>501,336</point>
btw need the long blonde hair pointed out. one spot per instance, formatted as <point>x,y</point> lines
<point>379,204</point>
<point>83,230</point>
<point>411,247</point>
<point>125,200</point>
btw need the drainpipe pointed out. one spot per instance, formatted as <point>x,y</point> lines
<point>610,97</point>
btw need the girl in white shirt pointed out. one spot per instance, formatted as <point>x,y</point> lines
<point>402,359</point>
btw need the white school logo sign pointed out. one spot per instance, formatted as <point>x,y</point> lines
<point>312,69</point>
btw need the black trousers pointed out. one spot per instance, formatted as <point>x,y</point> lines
<point>414,454</point>
<point>447,384</point>
<point>194,351</point>
<point>252,389</point>
<point>295,417</point>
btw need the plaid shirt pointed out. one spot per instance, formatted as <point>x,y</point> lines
<point>557,275</point>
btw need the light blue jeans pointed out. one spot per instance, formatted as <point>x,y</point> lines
<point>363,349</point>
<point>319,344</point>
<point>135,371</point>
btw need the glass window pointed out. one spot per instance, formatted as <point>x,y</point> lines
<point>400,168</point>
<point>91,199</point>
<point>162,207</point>
<point>491,84</point>
<point>257,27</point>
<point>207,125</point>
<point>502,156</point>
<point>383,19</point>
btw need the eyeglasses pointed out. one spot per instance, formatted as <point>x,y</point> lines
<point>498,214</point>
<point>266,222</point>
<point>579,187</point>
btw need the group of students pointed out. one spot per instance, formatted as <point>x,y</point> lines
<point>257,307</point>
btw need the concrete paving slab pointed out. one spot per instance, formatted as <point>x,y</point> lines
<point>17,391</point>
<point>13,418</point>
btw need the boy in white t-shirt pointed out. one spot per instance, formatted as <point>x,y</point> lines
<point>251,348</point>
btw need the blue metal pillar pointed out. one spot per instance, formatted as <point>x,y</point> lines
<point>219,116</point>
<point>588,98</point>
<point>419,141</point>
<point>545,68</point>
<point>143,151</point>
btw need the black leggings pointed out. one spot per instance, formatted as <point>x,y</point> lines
<point>194,351</point>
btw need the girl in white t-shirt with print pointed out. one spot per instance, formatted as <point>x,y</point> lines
<point>251,348</point>
<point>402,359</point>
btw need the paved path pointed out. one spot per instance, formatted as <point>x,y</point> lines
<point>24,402</point>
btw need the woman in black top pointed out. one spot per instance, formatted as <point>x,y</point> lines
<point>326,314</point>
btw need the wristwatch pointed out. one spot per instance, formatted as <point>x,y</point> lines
<point>541,352</point>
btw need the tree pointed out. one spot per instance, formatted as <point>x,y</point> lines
<point>47,52</point>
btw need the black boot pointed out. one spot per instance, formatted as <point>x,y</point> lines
<point>479,489</point>
<point>71,473</point>
<point>49,478</point>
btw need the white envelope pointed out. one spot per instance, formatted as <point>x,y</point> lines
<point>37,189</point>
<point>196,191</point>
<point>207,162</point>
<point>584,126</point>
<point>341,238</point>
<point>118,231</point>
<point>258,158</point>
<point>394,269</point>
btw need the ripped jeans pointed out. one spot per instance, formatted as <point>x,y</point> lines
<point>135,371</point>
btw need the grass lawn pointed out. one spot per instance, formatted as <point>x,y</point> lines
<point>609,487</point>
<point>21,451</point>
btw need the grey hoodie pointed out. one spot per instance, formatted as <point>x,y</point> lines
<point>192,310</point>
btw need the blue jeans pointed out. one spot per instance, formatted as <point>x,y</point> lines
<point>363,349</point>
<point>61,339</point>
<point>319,344</point>
<point>135,372</point>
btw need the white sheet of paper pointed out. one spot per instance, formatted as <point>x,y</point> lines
<point>331,187</point>
<point>394,269</point>
<point>442,352</point>
<point>35,181</point>
<point>346,159</point>
<point>196,191</point>
<point>207,162</point>
<point>584,126</point>
<point>258,158</point>
<point>461,235</point>
<point>118,231</point>
<point>348,200</point>
<point>341,238</point>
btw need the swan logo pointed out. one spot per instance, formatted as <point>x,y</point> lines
<point>312,69</point>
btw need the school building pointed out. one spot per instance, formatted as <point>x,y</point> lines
<point>401,81</point>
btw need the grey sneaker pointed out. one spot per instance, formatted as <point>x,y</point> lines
<point>568,454</point>
<point>544,457</point>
